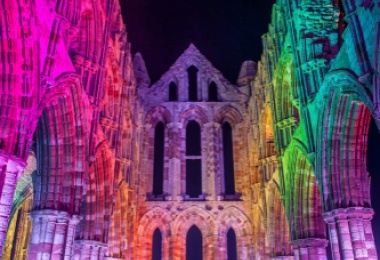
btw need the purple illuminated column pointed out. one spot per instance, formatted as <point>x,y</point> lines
<point>11,167</point>
<point>309,249</point>
<point>52,234</point>
<point>89,249</point>
<point>351,233</point>
<point>172,182</point>
<point>245,247</point>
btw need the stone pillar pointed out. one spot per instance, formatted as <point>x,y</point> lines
<point>289,257</point>
<point>310,248</point>
<point>142,248</point>
<point>351,233</point>
<point>89,250</point>
<point>213,182</point>
<point>334,239</point>
<point>244,247</point>
<point>166,246</point>
<point>11,167</point>
<point>209,244</point>
<point>52,234</point>
<point>221,247</point>
<point>178,248</point>
<point>173,183</point>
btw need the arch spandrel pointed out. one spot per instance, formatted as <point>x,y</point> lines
<point>235,218</point>
<point>193,113</point>
<point>155,218</point>
<point>158,114</point>
<point>229,114</point>
<point>193,216</point>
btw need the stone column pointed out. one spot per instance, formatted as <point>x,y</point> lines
<point>244,247</point>
<point>52,234</point>
<point>178,248</point>
<point>289,257</point>
<point>166,245</point>
<point>368,234</point>
<point>221,247</point>
<point>209,248</point>
<point>310,248</point>
<point>173,184</point>
<point>351,233</point>
<point>11,167</point>
<point>334,239</point>
<point>213,164</point>
<point>142,248</point>
<point>71,236</point>
<point>89,250</point>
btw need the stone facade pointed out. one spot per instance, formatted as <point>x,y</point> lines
<point>174,211</point>
<point>82,127</point>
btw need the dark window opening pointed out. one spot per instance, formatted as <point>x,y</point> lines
<point>157,245</point>
<point>193,138</point>
<point>212,92</point>
<point>158,160</point>
<point>173,92</point>
<point>231,245</point>
<point>229,178</point>
<point>193,88</point>
<point>193,160</point>
<point>194,246</point>
<point>373,167</point>
<point>194,178</point>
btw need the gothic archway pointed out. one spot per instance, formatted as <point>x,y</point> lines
<point>204,222</point>
<point>342,157</point>
<point>156,218</point>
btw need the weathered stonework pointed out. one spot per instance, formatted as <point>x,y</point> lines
<point>80,120</point>
<point>213,211</point>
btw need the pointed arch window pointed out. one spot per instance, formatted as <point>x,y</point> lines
<point>228,156</point>
<point>231,245</point>
<point>192,73</point>
<point>194,248</point>
<point>193,160</point>
<point>213,92</point>
<point>173,92</point>
<point>158,159</point>
<point>157,245</point>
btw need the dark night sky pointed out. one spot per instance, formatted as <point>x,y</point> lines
<point>227,32</point>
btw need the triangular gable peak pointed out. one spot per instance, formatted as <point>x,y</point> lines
<point>207,75</point>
